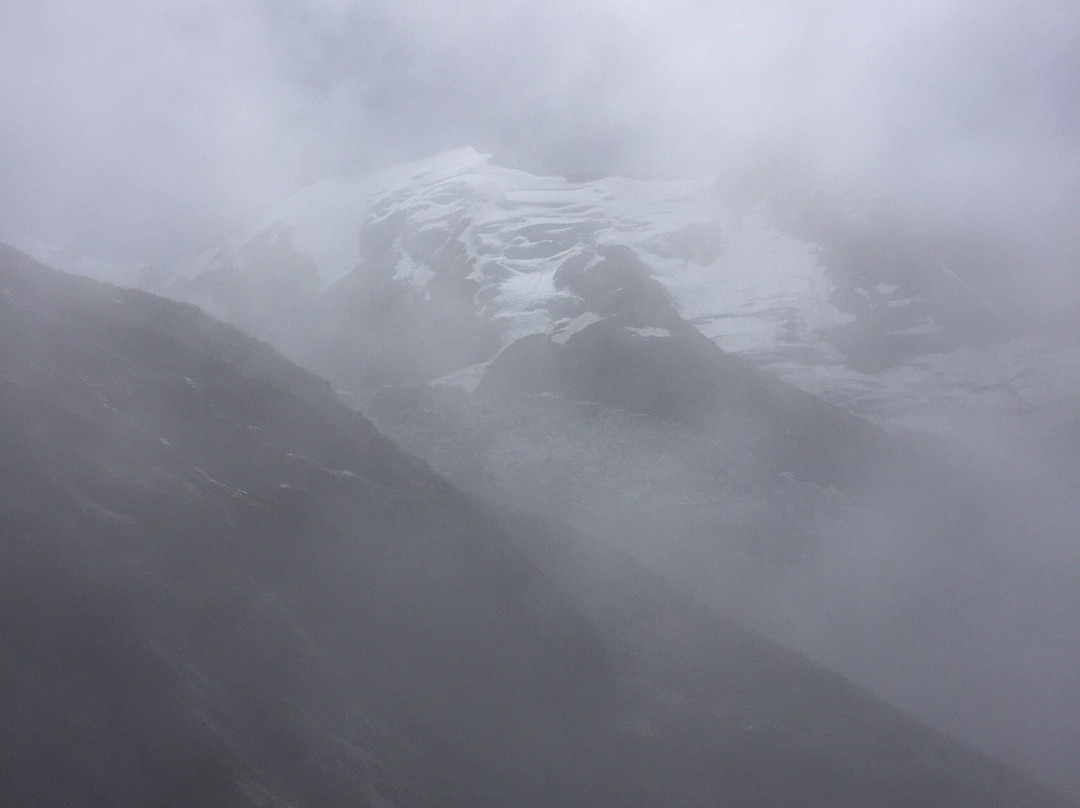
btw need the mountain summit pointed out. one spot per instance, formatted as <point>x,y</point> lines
<point>428,270</point>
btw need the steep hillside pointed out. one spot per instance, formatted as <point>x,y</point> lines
<point>602,350</point>
<point>222,587</point>
<point>220,581</point>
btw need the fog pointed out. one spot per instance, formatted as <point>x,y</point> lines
<point>145,131</point>
<point>133,130</point>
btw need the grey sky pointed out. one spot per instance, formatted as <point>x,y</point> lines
<point>133,128</point>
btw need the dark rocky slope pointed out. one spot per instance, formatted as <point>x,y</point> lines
<point>223,587</point>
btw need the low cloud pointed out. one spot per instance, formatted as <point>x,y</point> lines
<point>143,129</point>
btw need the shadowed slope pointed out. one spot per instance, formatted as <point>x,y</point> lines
<point>222,587</point>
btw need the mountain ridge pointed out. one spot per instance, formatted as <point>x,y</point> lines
<point>603,349</point>
<point>857,307</point>
<point>477,314</point>
<point>231,590</point>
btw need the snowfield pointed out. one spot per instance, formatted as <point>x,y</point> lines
<point>742,280</point>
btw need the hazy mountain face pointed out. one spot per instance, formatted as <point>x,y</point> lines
<point>419,272</point>
<point>603,351</point>
<point>223,588</point>
<point>221,583</point>
<point>891,229</point>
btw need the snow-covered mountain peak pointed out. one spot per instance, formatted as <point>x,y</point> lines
<point>460,251</point>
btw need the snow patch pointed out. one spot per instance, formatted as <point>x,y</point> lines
<point>764,284</point>
<point>413,273</point>
<point>579,323</point>
<point>650,332</point>
<point>468,379</point>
